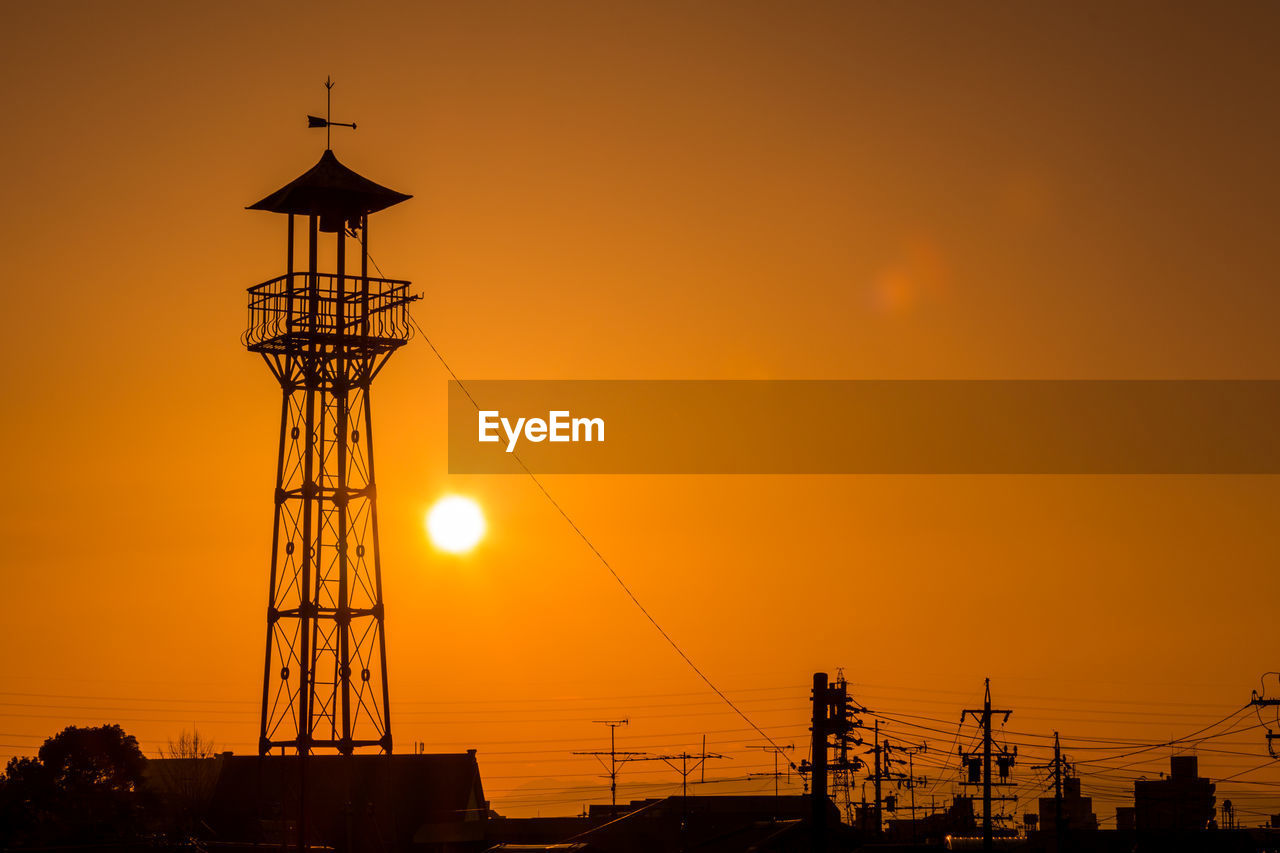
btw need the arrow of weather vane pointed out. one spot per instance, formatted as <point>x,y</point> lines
<point>327,122</point>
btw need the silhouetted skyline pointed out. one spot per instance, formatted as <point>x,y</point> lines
<point>603,191</point>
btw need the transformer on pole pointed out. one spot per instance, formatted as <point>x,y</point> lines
<point>325,335</point>
<point>979,765</point>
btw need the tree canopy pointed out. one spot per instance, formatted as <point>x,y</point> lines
<point>83,785</point>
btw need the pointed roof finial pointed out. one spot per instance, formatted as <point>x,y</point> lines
<point>327,122</point>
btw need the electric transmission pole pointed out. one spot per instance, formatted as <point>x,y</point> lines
<point>1004,759</point>
<point>1259,702</point>
<point>613,754</point>
<point>832,716</point>
<point>878,777</point>
<point>818,791</point>
<point>911,780</point>
<point>883,771</point>
<point>1060,770</point>
<point>833,711</point>
<point>844,766</point>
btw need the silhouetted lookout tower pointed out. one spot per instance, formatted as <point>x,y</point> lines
<point>325,336</point>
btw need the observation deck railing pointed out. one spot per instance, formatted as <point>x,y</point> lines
<point>300,312</point>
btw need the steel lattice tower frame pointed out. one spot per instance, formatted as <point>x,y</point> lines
<point>325,337</point>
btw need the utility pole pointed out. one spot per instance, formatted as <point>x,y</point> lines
<point>1004,758</point>
<point>880,764</point>
<point>833,711</point>
<point>843,727</point>
<point>911,781</point>
<point>818,792</point>
<point>1259,702</point>
<point>879,775</point>
<point>1061,771</point>
<point>777,752</point>
<point>883,771</point>
<point>1057,783</point>
<point>1057,773</point>
<point>613,753</point>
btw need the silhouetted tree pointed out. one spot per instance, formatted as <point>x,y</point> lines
<point>26,795</point>
<point>189,744</point>
<point>184,782</point>
<point>81,787</point>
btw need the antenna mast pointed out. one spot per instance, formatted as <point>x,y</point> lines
<point>613,753</point>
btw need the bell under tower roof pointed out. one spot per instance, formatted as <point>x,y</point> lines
<point>331,191</point>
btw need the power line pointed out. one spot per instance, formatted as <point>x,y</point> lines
<point>594,550</point>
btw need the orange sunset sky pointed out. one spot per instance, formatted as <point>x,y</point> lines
<point>647,191</point>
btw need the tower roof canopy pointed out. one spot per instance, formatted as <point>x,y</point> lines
<point>331,191</point>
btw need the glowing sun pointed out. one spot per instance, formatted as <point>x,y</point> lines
<point>455,524</point>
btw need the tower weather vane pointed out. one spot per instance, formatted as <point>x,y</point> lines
<point>327,122</point>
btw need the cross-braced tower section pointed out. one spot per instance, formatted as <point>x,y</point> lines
<point>325,336</point>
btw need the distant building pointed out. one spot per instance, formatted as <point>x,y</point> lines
<point>720,824</point>
<point>1077,811</point>
<point>1126,821</point>
<point>1181,801</point>
<point>412,803</point>
<point>956,820</point>
<point>536,831</point>
<point>605,811</point>
<point>520,832</point>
